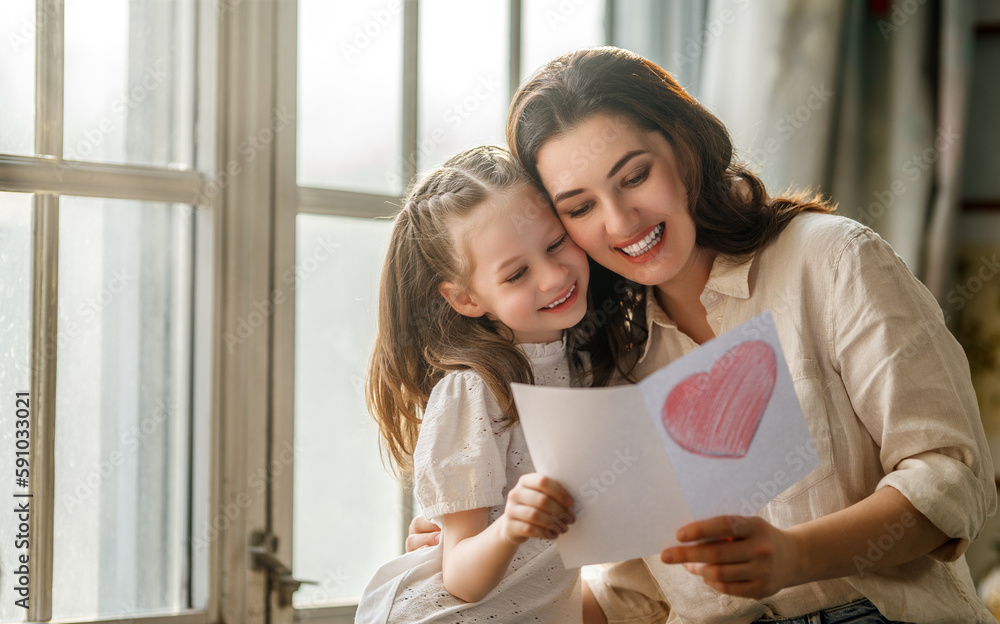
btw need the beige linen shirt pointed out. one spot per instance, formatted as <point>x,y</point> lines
<point>887,394</point>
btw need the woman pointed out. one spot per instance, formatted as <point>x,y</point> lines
<point>644,180</point>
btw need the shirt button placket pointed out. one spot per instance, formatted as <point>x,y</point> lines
<point>714,311</point>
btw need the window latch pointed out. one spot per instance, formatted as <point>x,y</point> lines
<point>263,546</point>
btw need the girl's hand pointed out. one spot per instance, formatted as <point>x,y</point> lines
<point>741,556</point>
<point>538,507</point>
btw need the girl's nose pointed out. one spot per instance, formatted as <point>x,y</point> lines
<point>553,275</point>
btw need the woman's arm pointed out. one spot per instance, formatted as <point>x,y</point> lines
<point>908,380</point>
<point>746,556</point>
<point>476,556</point>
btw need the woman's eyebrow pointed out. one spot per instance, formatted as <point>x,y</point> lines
<point>624,159</point>
<point>618,165</point>
<point>565,195</point>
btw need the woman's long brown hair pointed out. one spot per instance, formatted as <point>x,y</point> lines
<point>730,207</point>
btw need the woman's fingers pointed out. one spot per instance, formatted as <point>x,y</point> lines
<point>421,524</point>
<point>719,527</point>
<point>722,539</point>
<point>741,556</point>
<point>419,540</point>
<point>727,573</point>
<point>726,551</point>
<point>422,533</point>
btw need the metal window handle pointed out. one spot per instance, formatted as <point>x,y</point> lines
<point>263,547</point>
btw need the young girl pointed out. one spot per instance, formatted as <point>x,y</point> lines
<point>479,286</point>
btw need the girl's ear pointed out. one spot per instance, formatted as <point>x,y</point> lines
<point>460,300</point>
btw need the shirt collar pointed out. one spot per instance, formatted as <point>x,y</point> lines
<point>730,276</point>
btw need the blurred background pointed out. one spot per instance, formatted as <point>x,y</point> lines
<point>193,203</point>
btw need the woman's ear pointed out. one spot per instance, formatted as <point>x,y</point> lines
<point>460,300</point>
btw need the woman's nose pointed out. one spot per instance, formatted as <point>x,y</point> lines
<point>620,220</point>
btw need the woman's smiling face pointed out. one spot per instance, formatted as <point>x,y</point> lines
<point>617,191</point>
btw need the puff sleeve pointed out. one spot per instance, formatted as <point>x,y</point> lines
<point>460,457</point>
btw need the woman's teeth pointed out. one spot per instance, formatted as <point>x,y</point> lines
<point>568,295</point>
<point>645,244</point>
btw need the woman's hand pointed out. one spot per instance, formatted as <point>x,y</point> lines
<point>749,557</point>
<point>538,507</point>
<point>741,556</point>
<point>422,533</point>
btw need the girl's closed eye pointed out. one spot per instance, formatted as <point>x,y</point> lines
<point>518,274</point>
<point>560,242</point>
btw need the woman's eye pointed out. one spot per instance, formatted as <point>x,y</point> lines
<point>517,275</point>
<point>559,243</point>
<point>582,210</point>
<point>637,179</point>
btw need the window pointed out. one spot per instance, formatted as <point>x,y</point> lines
<point>192,203</point>
<point>123,409</point>
<point>385,90</point>
<point>102,253</point>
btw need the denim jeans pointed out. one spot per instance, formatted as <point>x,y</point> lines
<point>860,612</point>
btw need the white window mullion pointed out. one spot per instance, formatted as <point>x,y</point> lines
<point>89,179</point>
<point>346,203</point>
<point>514,50</point>
<point>411,99</point>
<point>243,340</point>
<point>49,41</point>
<point>45,275</point>
<point>411,48</point>
<point>282,430</point>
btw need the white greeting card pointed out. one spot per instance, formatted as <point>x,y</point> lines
<point>718,431</point>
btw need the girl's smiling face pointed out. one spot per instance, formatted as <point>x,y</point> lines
<point>617,190</point>
<point>524,270</point>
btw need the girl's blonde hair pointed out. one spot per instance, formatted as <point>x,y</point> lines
<point>420,337</point>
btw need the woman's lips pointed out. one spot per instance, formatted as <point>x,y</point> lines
<point>640,247</point>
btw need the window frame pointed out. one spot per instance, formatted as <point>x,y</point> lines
<point>246,69</point>
<point>220,27</point>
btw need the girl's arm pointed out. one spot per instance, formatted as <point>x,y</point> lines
<point>746,556</point>
<point>476,556</point>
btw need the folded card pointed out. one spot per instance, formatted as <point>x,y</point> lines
<point>718,431</point>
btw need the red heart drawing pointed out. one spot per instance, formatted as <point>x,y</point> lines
<point>716,414</point>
